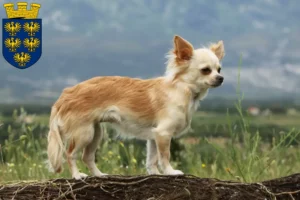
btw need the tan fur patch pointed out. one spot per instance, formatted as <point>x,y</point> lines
<point>101,92</point>
<point>71,146</point>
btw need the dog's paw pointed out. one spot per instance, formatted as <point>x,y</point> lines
<point>153,171</point>
<point>174,172</point>
<point>100,174</point>
<point>79,176</point>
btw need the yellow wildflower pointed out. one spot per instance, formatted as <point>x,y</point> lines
<point>122,144</point>
<point>23,137</point>
<point>133,160</point>
<point>10,164</point>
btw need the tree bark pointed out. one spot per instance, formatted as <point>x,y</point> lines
<point>153,187</point>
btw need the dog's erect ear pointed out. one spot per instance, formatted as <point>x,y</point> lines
<point>182,48</point>
<point>218,49</point>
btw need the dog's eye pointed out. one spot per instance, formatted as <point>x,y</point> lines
<point>219,70</point>
<point>206,71</point>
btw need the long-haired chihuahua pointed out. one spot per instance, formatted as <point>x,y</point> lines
<point>154,109</point>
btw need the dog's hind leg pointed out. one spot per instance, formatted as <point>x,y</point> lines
<point>88,156</point>
<point>80,138</point>
<point>152,157</point>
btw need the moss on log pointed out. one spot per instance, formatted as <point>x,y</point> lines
<point>153,187</point>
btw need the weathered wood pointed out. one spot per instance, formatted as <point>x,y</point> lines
<point>153,187</point>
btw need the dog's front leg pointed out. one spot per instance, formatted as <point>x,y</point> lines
<point>152,158</point>
<point>163,143</point>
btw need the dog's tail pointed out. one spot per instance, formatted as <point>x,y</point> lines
<point>55,144</point>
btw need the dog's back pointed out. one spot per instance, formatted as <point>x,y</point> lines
<point>92,97</point>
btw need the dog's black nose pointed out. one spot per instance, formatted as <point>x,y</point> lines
<point>220,78</point>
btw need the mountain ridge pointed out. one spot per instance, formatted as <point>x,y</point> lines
<point>95,38</point>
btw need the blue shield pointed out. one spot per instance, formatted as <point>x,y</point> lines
<point>22,41</point>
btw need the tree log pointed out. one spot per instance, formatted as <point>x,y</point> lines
<point>153,187</point>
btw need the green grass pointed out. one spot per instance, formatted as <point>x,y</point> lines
<point>281,120</point>
<point>237,153</point>
<point>223,146</point>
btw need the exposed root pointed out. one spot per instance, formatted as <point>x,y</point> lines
<point>154,187</point>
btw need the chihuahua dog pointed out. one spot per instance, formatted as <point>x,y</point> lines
<point>154,109</point>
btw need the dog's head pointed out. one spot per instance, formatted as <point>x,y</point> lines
<point>199,66</point>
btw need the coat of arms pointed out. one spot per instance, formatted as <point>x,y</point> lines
<point>22,35</point>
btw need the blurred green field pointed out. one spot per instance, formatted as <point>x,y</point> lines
<point>224,146</point>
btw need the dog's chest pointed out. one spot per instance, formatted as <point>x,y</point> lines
<point>182,121</point>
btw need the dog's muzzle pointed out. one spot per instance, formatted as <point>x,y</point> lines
<point>218,81</point>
